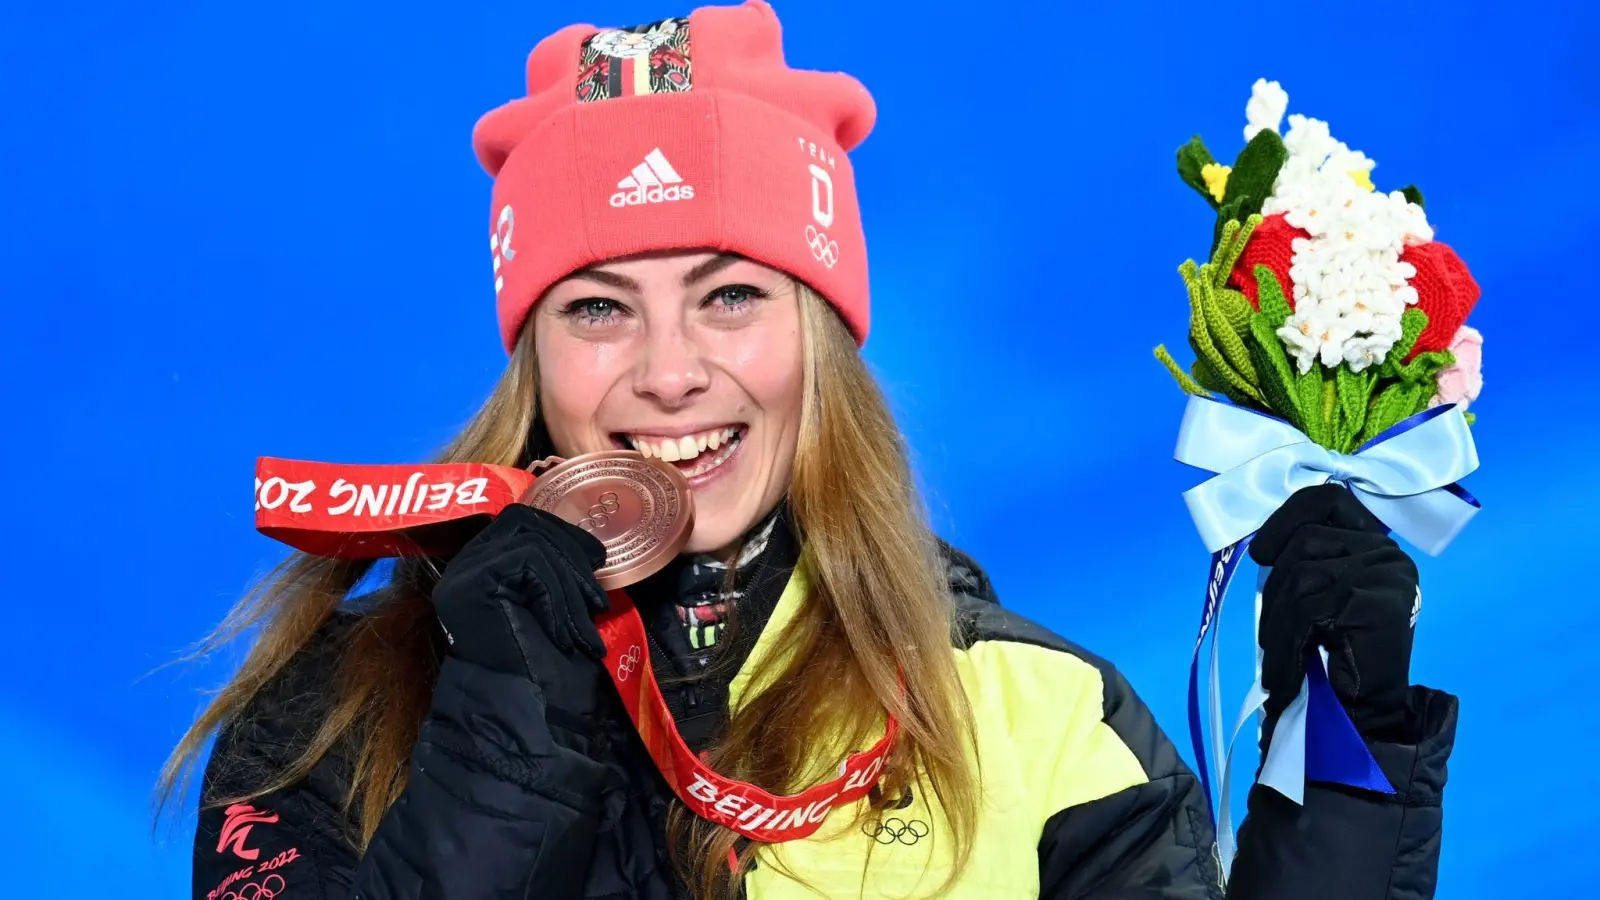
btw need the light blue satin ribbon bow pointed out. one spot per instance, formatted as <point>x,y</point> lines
<point>1406,475</point>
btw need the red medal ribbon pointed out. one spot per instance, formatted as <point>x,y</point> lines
<point>370,512</point>
<point>374,511</point>
<point>741,806</point>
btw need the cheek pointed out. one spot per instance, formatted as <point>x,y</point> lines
<point>572,385</point>
<point>771,372</point>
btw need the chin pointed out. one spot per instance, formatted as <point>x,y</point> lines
<point>711,536</point>
<point>717,527</point>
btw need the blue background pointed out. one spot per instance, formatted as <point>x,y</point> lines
<point>230,230</point>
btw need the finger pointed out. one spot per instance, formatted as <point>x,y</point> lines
<point>1345,550</point>
<point>1306,592</point>
<point>546,598</point>
<point>1329,504</point>
<point>577,552</point>
<point>572,603</point>
<point>1311,542</point>
<point>580,600</point>
<point>1391,573</point>
<point>586,634</point>
<point>577,545</point>
<point>504,529</point>
<point>1295,601</point>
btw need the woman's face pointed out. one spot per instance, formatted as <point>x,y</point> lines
<point>691,357</point>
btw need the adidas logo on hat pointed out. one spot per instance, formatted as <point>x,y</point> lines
<point>652,181</point>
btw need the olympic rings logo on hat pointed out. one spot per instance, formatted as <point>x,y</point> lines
<point>826,251</point>
<point>896,829</point>
<point>628,664</point>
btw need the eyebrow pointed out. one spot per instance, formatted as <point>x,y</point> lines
<point>709,268</point>
<point>690,278</point>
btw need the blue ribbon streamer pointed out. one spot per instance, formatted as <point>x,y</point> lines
<point>1223,564</point>
<point>1406,476</point>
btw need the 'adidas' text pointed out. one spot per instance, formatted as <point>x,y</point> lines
<point>652,181</point>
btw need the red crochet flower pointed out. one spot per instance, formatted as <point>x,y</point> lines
<point>1446,291</point>
<point>1271,245</point>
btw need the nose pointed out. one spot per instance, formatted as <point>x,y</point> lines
<point>671,367</point>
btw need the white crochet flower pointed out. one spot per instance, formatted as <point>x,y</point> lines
<point>1268,103</point>
<point>1350,287</point>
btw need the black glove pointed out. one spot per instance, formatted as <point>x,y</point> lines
<point>1340,581</point>
<point>520,598</point>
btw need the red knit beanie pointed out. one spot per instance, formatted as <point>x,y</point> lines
<point>688,133</point>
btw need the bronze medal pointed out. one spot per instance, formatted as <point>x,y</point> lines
<point>640,509</point>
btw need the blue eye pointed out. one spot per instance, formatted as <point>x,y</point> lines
<point>734,298</point>
<point>594,311</point>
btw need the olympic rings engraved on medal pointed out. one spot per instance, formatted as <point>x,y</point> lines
<point>629,663</point>
<point>659,501</point>
<point>895,829</point>
<point>826,251</point>
<point>600,513</point>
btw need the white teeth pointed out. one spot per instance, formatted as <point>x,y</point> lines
<point>682,448</point>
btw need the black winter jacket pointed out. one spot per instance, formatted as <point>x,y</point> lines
<point>473,824</point>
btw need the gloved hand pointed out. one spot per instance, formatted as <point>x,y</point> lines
<point>1340,581</point>
<point>520,598</point>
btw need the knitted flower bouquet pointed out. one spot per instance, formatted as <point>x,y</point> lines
<point>1335,327</point>
<point>1325,303</point>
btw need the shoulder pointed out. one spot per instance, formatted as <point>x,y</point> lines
<point>982,627</point>
<point>1039,681</point>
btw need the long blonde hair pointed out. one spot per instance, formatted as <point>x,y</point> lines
<point>873,637</point>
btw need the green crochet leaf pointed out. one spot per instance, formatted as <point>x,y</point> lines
<point>1221,312</point>
<point>1186,383</point>
<point>1471,417</point>
<point>1227,233</point>
<point>1227,212</point>
<point>1412,194</point>
<point>1425,368</point>
<point>1235,308</point>
<point>1355,395</point>
<point>1395,403</point>
<point>1207,377</point>
<point>1271,297</point>
<point>1256,171</point>
<point>1235,235</point>
<point>1276,376</point>
<point>1200,336</point>
<point>1308,397</point>
<point>1412,322</point>
<point>1332,414</point>
<point>1193,157</point>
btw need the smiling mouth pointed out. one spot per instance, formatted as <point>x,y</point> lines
<point>693,454</point>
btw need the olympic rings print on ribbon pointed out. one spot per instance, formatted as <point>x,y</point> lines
<point>629,663</point>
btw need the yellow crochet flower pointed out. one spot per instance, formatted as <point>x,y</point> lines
<point>1216,178</point>
<point>1363,179</point>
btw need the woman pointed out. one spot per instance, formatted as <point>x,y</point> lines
<point>680,269</point>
